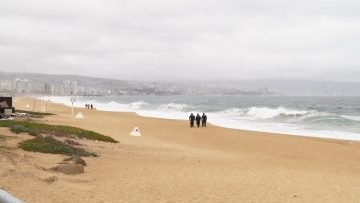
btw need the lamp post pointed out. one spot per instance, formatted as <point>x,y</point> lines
<point>72,103</point>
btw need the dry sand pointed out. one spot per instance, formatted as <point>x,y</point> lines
<point>174,163</point>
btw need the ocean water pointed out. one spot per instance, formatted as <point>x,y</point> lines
<point>330,117</point>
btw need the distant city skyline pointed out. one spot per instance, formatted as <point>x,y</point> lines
<point>183,40</point>
<point>65,85</point>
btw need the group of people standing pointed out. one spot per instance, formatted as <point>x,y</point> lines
<point>198,119</point>
<point>89,106</point>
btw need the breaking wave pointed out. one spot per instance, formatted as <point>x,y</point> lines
<point>256,113</point>
<point>173,107</point>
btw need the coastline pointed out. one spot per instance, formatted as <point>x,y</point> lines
<point>172,162</point>
<point>221,119</point>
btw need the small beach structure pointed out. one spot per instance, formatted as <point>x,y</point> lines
<point>135,132</point>
<point>79,115</point>
<point>6,106</point>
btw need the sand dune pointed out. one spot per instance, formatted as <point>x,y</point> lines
<point>174,163</point>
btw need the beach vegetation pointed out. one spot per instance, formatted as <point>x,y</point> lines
<point>21,129</point>
<point>48,144</point>
<point>18,129</point>
<point>34,128</point>
<point>34,114</point>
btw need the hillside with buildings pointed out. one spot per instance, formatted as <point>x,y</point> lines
<point>65,85</point>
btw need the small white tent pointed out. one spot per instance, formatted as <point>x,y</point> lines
<point>79,115</point>
<point>135,132</point>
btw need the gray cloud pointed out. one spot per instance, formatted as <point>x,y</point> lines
<point>185,39</point>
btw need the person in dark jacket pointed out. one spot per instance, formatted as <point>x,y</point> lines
<point>198,119</point>
<point>192,119</point>
<point>203,119</point>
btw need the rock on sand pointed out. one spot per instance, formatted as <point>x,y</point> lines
<point>69,169</point>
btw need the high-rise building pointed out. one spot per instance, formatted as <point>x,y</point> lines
<point>6,85</point>
<point>48,89</point>
<point>21,86</point>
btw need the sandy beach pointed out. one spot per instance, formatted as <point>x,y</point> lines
<point>172,162</point>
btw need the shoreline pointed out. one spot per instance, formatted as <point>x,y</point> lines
<point>187,125</point>
<point>322,134</point>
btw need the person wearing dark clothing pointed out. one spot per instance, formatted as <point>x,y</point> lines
<point>198,119</point>
<point>91,106</point>
<point>204,119</point>
<point>191,119</point>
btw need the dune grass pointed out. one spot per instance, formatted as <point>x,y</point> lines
<point>21,129</point>
<point>35,129</point>
<point>53,146</point>
<point>35,113</point>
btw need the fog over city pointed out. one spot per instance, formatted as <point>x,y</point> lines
<point>183,40</point>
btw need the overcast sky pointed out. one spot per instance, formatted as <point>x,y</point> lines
<point>183,39</point>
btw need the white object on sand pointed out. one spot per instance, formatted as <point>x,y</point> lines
<point>8,198</point>
<point>79,115</point>
<point>27,106</point>
<point>135,132</point>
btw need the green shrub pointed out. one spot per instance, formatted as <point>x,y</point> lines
<point>18,129</point>
<point>35,113</point>
<point>21,129</point>
<point>33,132</point>
<point>57,129</point>
<point>53,146</point>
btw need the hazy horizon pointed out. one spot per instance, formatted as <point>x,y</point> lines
<point>184,80</point>
<point>183,40</point>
